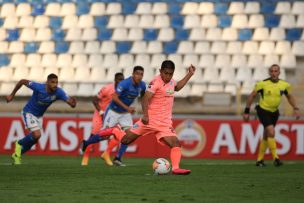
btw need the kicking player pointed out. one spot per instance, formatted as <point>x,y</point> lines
<point>101,102</point>
<point>43,96</point>
<point>271,90</point>
<point>157,107</point>
<point>120,110</point>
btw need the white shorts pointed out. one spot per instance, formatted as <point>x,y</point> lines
<point>32,122</point>
<point>112,118</point>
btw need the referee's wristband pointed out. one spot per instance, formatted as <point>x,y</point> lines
<point>101,112</point>
<point>247,110</point>
<point>296,108</point>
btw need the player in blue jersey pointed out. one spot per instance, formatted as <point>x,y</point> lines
<point>120,110</point>
<point>43,96</point>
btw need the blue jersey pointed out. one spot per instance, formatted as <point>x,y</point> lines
<point>127,92</point>
<point>41,99</point>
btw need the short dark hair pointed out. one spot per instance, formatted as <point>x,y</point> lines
<point>167,64</point>
<point>119,75</point>
<point>273,65</point>
<point>52,76</point>
<point>138,68</point>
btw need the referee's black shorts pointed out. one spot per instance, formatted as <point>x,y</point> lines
<point>267,117</point>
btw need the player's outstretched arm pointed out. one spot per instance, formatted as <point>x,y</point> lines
<point>180,84</point>
<point>293,103</point>
<point>116,99</point>
<point>10,97</point>
<point>95,102</point>
<point>72,102</point>
<point>145,104</point>
<point>248,104</point>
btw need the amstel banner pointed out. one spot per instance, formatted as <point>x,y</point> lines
<point>212,139</point>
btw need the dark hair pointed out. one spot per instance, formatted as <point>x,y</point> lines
<point>138,68</point>
<point>273,65</point>
<point>52,76</point>
<point>119,75</point>
<point>167,64</point>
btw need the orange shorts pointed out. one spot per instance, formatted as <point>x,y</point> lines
<point>159,131</point>
<point>96,123</point>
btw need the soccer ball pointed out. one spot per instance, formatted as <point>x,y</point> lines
<point>161,166</point>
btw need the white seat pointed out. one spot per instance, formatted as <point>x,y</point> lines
<point>260,34</point>
<point>142,60</point>
<point>89,34</point>
<point>49,60</point>
<point>207,61</point>
<point>135,34</point>
<point>218,47</point>
<point>282,74</point>
<point>209,21</point>
<point>166,34</point>
<point>143,8</point>
<point>239,21</point>
<point>298,48</point>
<point>67,74</point>
<point>146,21</point>
<point>53,9</point>
<point>7,88</point>
<point>247,87</point>
<point>283,7</point>
<point>8,9</point>
<point>227,75</point>
<point>4,47</point>
<point>288,61</point>
<point>198,89</point>
<point>266,47</point>
<point>230,34</point>
<point>10,22</point>
<point>297,7</point>
<point>282,47</point>
<point>189,8</point>
<point>192,21</point>
<point>6,73</point>
<point>82,74</point>
<point>68,9</point>
<point>202,47</point>
<point>300,21</point>
<point>26,21</point>
<point>116,21</point>
<point>252,7</point>
<point>95,60</point>
<point>159,8</point>
<point>185,47</point>
<point>70,88</point>
<point>23,9</point>
<point>27,35</point>
<point>255,21</point>
<point>139,47</point>
<point>97,75</point>
<point>234,47</point>
<point>255,61</point>
<point>110,60</point>
<point>80,61</point>
<point>112,71</point>
<point>211,74</point>
<point>126,61</point>
<point>20,72</point>
<point>41,21</point>
<point>222,60</point>
<point>176,58</point>
<point>155,47</point>
<point>69,21</point>
<point>215,87</point>
<point>85,21</point>
<point>179,74</point>
<point>277,34</point>
<point>250,47</point>
<point>149,74</point>
<point>76,47</point>
<point>205,8</point>
<point>46,47</point>
<point>231,88</point>
<point>73,34</point>
<point>33,60</point>
<point>107,47</point>
<point>120,34</point>
<point>161,21</point>
<point>49,70</point>
<point>113,8</point>
<point>184,92</point>
<point>197,34</point>
<point>156,60</point>
<point>287,21</point>
<point>2,34</point>
<point>17,60</point>
<point>131,21</point>
<point>98,9</point>
<point>43,34</point>
<point>36,74</point>
<point>239,61</point>
<point>85,90</point>
<point>97,88</point>
<point>243,74</point>
<point>64,60</point>
<point>271,59</point>
<point>92,47</point>
<point>16,47</point>
<point>214,34</point>
<point>260,74</point>
<point>190,59</point>
<point>236,8</point>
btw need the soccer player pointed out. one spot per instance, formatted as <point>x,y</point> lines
<point>271,90</point>
<point>157,107</point>
<point>43,96</point>
<point>120,111</point>
<point>101,102</point>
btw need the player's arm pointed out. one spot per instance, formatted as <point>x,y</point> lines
<point>116,99</point>
<point>145,104</point>
<point>180,84</point>
<point>249,101</point>
<point>291,100</point>
<point>71,102</point>
<point>95,102</point>
<point>10,97</point>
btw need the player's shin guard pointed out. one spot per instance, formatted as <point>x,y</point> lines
<point>273,147</point>
<point>175,157</point>
<point>27,142</point>
<point>86,156</point>
<point>262,149</point>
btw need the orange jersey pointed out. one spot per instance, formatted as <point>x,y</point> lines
<point>161,104</point>
<point>105,95</point>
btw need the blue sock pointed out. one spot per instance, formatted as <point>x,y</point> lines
<point>93,139</point>
<point>27,142</point>
<point>122,150</point>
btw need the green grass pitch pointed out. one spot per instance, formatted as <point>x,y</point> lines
<point>62,179</point>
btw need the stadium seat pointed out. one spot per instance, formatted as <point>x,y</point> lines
<point>166,34</point>
<point>89,34</point>
<point>267,7</point>
<point>282,7</point>
<point>154,47</point>
<point>7,87</point>
<point>231,88</point>
<point>288,61</point>
<point>298,48</point>
<point>61,47</point>
<point>108,47</point>
<point>23,9</point>
<point>85,21</point>
<point>220,8</point>
<point>192,21</point>
<point>123,47</point>
<point>250,47</point>
<point>143,8</point>
<point>116,21</point>
<point>49,70</point>
<point>12,35</point>
<point>239,21</point>
<point>95,60</point>
<point>97,75</point>
<point>85,90</point>
<point>146,21</point>
<point>4,47</point>
<point>68,9</point>
<point>49,60</point>
<point>3,34</point>
<point>97,9</point>
<point>53,9</point>
<point>211,74</point>
<point>67,74</point>
<point>149,74</point>
<point>101,21</point>
<point>92,47</point>
<point>150,34</point>
<point>271,59</point>
<point>214,34</point>
<point>229,34</point>
<point>293,34</point>
<point>25,22</point>
<point>80,61</point>
<point>129,8</point>
<point>243,74</point>
<point>64,60</point>
<point>252,7</point>
<point>17,60</point>
<point>4,60</point>
<point>174,8</point>
<point>135,34</point>
<point>55,22</point>
<point>197,34</point>
<point>33,60</point>
<point>282,47</point>
<point>266,47</point>
<point>236,8</point>
<point>161,21</point>
<point>113,8</point>
<point>300,21</point>
<point>247,87</point>
<point>156,60</point>
<point>170,47</point>
<point>70,88</point>
<point>126,61</point>
<point>139,47</point>
<point>222,61</point>
<point>179,74</point>
<point>224,21</point>
<point>185,92</point>
<point>142,60</point>
<point>207,61</point>
<point>131,21</point>
<point>189,8</point>
<point>76,47</point>
<point>10,22</point>
<point>159,8</point>
<point>120,34</point>
<point>234,47</point>
<point>82,74</point>
<point>256,21</point>
<point>27,35</point>
<point>209,21</point>
<point>218,47</point>
<point>277,34</point>
<point>227,75</point>
<point>255,61</point>
<point>69,21</point>
<point>30,47</point>
<point>20,72</point>
<point>43,34</point>
<point>239,61</point>
<point>73,34</point>
<point>111,72</point>
<point>272,21</point>
<point>16,47</point>
<point>198,89</point>
<point>38,9</point>
<point>110,61</point>
<point>176,58</point>
<point>83,8</point>
<point>41,21</point>
<point>287,21</point>
<point>36,74</point>
<point>6,73</point>
<point>297,8</point>
<point>190,59</point>
<point>177,21</point>
<point>181,34</point>
<point>260,34</point>
<point>215,87</point>
<point>260,74</point>
<point>7,9</point>
<point>205,8</point>
<point>104,34</point>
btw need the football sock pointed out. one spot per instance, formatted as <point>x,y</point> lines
<point>112,143</point>
<point>262,149</point>
<point>27,142</point>
<point>175,157</point>
<point>121,151</point>
<point>93,139</point>
<point>273,147</point>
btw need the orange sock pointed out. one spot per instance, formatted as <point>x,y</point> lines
<point>112,143</point>
<point>175,156</point>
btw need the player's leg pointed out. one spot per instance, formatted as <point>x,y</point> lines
<point>262,149</point>
<point>106,154</point>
